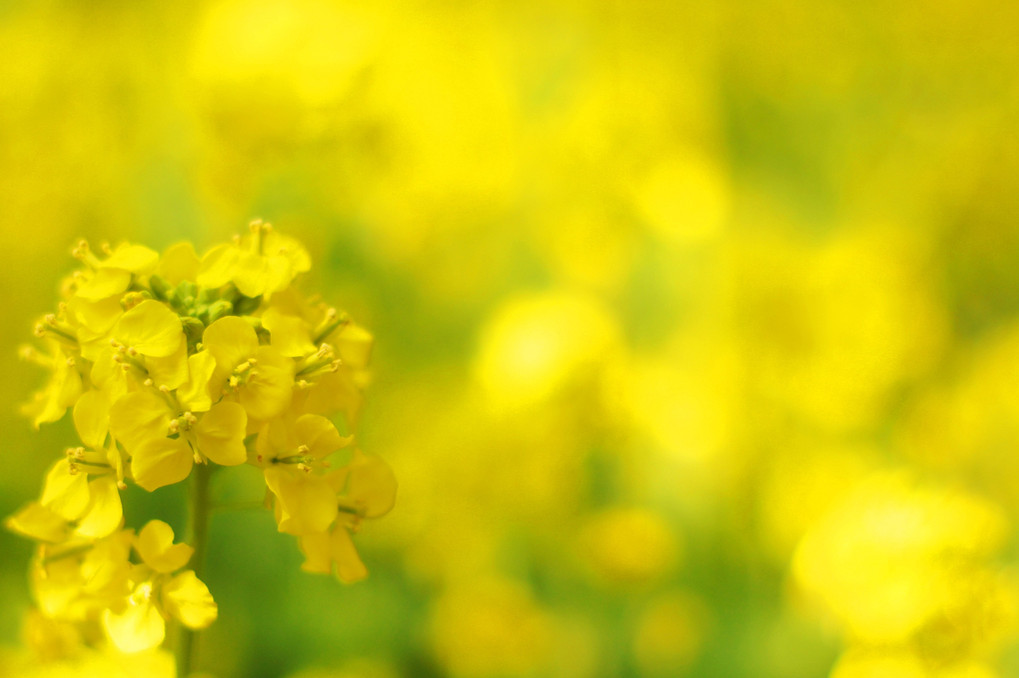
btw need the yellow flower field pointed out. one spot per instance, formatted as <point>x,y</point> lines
<point>693,334</point>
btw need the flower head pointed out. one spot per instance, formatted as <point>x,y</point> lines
<point>173,360</point>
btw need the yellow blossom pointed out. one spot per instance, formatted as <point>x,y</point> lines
<point>292,456</point>
<point>367,485</point>
<point>331,381</point>
<point>76,580</point>
<point>260,377</point>
<point>263,262</point>
<point>367,489</point>
<point>62,389</point>
<point>138,622</point>
<point>72,504</point>
<point>333,552</point>
<point>290,334</point>
<point>174,360</point>
<point>164,440</point>
<point>107,278</point>
<point>155,546</point>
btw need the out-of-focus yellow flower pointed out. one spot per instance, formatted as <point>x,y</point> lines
<point>904,664</point>
<point>309,50</point>
<point>585,246</point>
<point>535,345</point>
<point>804,479</point>
<point>967,423</point>
<point>332,551</point>
<point>91,663</point>
<point>889,665</point>
<point>670,633</point>
<point>50,639</point>
<point>898,564</point>
<point>62,388</point>
<point>830,331</point>
<point>489,628</point>
<point>367,490</point>
<point>684,199</point>
<point>629,545</point>
<point>78,579</point>
<point>138,622</point>
<point>684,403</point>
<point>366,485</point>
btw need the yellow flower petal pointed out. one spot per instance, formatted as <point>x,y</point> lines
<point>306,503</point>
<point>61,391</point>
<point>105,569</point>
<point>55,586</point>
<point>64,493</point>
<point>37,522</point>
<point>354,344</point>
<point>231,341</point>
<point>178,263</point>
<point>349,567</point>
<point>133,258</point>
<point>92,418</point>
<point>170,371</point>
<point>188,599</point>
<point>95,316</point>
<point>317,554</point>
<point>93,321</point>
<point>290,335</point>
<point>155,546</point>
<point>370,485</point>
<point>217,267</point>
<point>116,458</point>
<point>139,627</point>
<point>334,392</point>
<point>319,434</point>
<point>150,328</point>
<point>138,417</point>
<point>161,461</point>
<point>284,247</point>
<point>105,513</point>
<point>108,376</point>
<point>279,271</point>
<point>251,274</point>
<point>334,551</point>
<point>270,387</point>
<point>194,394</point>
<point>276,439</point>
<point>220,434</point>
<point>106,282</point>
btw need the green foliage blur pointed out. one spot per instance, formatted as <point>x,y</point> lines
<point>697,323</point>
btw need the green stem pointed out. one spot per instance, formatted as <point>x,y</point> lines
<point>197,538</point>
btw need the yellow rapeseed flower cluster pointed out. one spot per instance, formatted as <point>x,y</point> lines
<point>171,361</point>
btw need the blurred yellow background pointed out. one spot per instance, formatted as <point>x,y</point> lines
<point>697,342</point>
